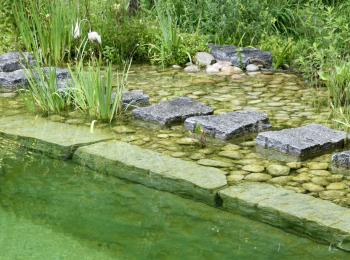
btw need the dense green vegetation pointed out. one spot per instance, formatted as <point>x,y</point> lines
<point>311,36</point>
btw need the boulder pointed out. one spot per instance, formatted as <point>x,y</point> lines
<point>241,57</point>
<point>12,61</point>
<point>204,58</point>
<point>302,142</point>
<point>231,124</point>
<point>172,111</point>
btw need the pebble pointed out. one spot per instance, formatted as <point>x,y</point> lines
<point>281,180</point>
<point>301,178</point>
<point>259,177</point>
<point>320,181</point>
<point>192,69</point>
<point>231,154</point>
<point>317,166</point>
<point>294,165</point>
<point>187,141</point>
<point>253,168</point>
<point>178,154</point>
<point>331,194</point>
<point>234,178</point>
<point>252,68</point>
<point>123,130</point>
<point>312,187</point>
<point>335,178</point>
<point>337,186</point>
<point>213,163</point>
<point>232,147</point>
<point>278,170</point>
<point>238,172</point>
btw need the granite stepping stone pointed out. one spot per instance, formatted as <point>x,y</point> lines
<point>12,81</point>
<point>302,142</point>
<point>14,61</point>
<point>172,111</point>
<point>231,124</point>
<point>341,160</point>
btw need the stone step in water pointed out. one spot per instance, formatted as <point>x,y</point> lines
<point>12,81</point>
<point>57,140</point>
<point>321,220</point>
<point>241,57</point>
<point>228,125</point>
<point>14,61</point>
<point>133,98</point>
<point>152,169</point>
<point>302,142</point>
<point>173,111</point>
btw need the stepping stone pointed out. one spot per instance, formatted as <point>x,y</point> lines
<point>134,98</point>
<point>12,81</point>
<point>302,142</point>
<point>241,57</point>
<point>173,111</point>
<point>341,160</point>
<point>231,124</point>
<point>14,61</point>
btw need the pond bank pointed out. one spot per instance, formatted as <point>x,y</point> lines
<point>302,214</point>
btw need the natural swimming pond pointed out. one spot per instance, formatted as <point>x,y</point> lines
<point>287,100</point>
<point>52,209</point>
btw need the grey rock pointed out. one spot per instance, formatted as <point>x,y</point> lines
<point>241,57</point>
<point>12,81</point>
<point>173,111</point>
<point>15,60</point>
<point>302,142</point>
<point>192,69</point>
<point>204,58</point>
<point>341,160</point>
<point>252,68</point>
<point>231,124</point>
<point>135,97</point>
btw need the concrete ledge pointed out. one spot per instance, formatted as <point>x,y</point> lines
<point>320,220</point>
<point>57,140</point>
<point>153,169</point>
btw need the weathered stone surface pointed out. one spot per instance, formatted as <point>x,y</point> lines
<point>278,170</point>
<point>241,57</point>
<point>12,81</point>
<point>173,111</point>
<point>252,68</point>
<point>341,160</point>
<point>14,61</point>
<point>298,213</point>
<point>135,97</point>
<point>153,169</point>
<point>55,139</point>
<point>228,125</point>
<point>192,69</point>
<point>302,142</point>
<point>204,58</point>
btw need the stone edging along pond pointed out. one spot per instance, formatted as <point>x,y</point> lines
<point>320,220</point>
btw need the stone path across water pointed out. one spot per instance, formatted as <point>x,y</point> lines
<point>173,111</point>
<point>303,142</point>
<point>231,124</point>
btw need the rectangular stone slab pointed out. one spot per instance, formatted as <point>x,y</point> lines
<point>58,140</point>
<point>302,142</point>
<point>318,219</point>
<point>228,125</point>
<point>172,111</point>
<point>152,169</point>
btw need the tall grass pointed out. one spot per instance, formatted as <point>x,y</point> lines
<point>43,94</point>
<point>45,28</point>
<point>93,91</point>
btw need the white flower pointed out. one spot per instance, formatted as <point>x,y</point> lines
<point>76,31</point>
<point>94,37</point>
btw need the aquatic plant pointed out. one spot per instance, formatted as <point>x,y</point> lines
<point>93,91</point>
<point>44,28</point>
<point>43,94</point>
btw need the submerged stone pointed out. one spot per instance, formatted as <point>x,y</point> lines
<point>58,140</point>
<point>153,169</point>
<point>302,142</point>
<point>13,61</point>
<point>229,125</point>
<point>173,111</point>
<point>242,57</point>
<point>135,97</point>
<point>341,160</point>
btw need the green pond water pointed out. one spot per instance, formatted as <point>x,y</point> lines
<point>287,100</point>
<point>52,209</point>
